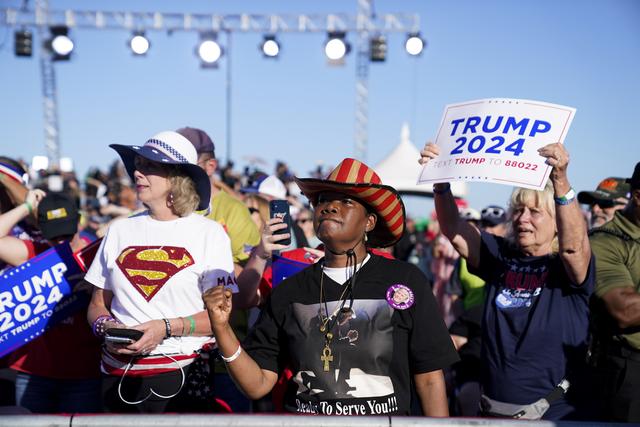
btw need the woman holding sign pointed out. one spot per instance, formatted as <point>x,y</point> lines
<point>149,275</point>
<point>356,329</point>
<point>538,279</point>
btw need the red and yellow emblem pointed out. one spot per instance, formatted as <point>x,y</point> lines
<point>149,267</point>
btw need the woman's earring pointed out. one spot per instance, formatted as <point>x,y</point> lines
<point>170,202</point>
<point>366,237</point>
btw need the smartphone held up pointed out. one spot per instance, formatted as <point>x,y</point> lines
<point>280,209</point>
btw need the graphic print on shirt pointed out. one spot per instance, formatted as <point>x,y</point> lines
<point>521,285</point>
<point>148,268</point>
<point>357,380</point>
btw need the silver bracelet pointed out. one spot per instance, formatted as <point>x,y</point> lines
<point>233,357</point>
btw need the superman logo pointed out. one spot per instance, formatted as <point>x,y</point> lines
<point>149,267</point>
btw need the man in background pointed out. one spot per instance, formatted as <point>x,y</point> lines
<point>616,309</point>
<point>611,195</point>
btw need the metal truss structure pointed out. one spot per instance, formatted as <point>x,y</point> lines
<point>364,23</point>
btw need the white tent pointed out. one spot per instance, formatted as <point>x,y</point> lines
<point>400,170</point>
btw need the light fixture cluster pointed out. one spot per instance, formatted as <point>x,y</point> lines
<point>336,47</point>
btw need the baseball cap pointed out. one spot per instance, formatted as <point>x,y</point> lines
<point>634,181</point>
<point>57,216</point>
<point>469,214</point>
<point>268,185</point>
<point>609,189</point>
<point>199,139</point>
<point>493,215</point>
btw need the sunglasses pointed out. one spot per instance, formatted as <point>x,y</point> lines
<point>492,213</point>
<point>253,210</point>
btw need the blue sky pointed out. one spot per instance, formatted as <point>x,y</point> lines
<point>584,54</point>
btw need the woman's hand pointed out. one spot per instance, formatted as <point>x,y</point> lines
<point>268,241</point>
<point>33,198</point>
<point>154,332</point>
<point>430,151</point>
<point>217,300</point>
<point>557,157</point>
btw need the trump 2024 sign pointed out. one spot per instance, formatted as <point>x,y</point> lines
<point>497,140</point>
<point>37,294</point>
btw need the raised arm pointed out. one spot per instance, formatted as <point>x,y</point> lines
<point>573,240</point>
<point>252,380</point>
<point>463,236</point>
<point>249,278</point>
<point>13,251</point>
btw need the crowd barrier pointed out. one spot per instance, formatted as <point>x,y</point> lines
<point>220,420</point>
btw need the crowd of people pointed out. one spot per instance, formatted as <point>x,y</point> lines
<point>529,309</point>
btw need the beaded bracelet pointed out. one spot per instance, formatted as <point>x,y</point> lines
<point>567,198</point>
<point>233,357</point>
<point>98,325</point>
<point>167,328</point>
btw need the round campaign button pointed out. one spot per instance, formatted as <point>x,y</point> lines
<point>400,296</point>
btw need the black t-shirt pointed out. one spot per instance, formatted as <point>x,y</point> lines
<point>375,348</point>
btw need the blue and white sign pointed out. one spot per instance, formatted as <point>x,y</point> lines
<point>497,140</point>
<point>38,294</point>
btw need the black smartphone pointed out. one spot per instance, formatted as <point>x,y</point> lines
<point>280,209</point>
<point>122,335</point>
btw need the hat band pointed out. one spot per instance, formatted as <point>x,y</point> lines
<point>11,173</point>
<point>167,149</point>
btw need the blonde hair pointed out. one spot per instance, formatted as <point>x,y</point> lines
<point>183,190</point>
<point>524,196</point>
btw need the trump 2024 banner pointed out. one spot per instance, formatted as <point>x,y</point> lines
<point>497,140</point>
<point>37,294</point>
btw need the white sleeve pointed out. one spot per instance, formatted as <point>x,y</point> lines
<point>219,266</point>
<point>98,271</point>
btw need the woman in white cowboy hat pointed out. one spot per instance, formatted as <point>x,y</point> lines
<point>356,329</point>
<point>149,275</point>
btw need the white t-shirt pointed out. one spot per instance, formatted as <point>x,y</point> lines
<point>154,269</point>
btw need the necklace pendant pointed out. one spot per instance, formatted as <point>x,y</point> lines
<point>326,357</point>
<point>329,336</point>
<point>322,328</point>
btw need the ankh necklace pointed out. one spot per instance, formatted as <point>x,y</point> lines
<point>327,322</point>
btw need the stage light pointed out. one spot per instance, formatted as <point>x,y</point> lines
<point>139,44</point>
<point>270,47</point>
<point>336,48</point>
<point>414,44</point>
<point>60,45</point>
<point>39,163</point>
<point>209,51</point>
<point>23,43</point>
<point>378,49</point>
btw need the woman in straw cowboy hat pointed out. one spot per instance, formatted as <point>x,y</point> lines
<point>356,329</point>
<point>149,275</point>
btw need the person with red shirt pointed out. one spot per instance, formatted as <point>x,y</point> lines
<point>59,371</point>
